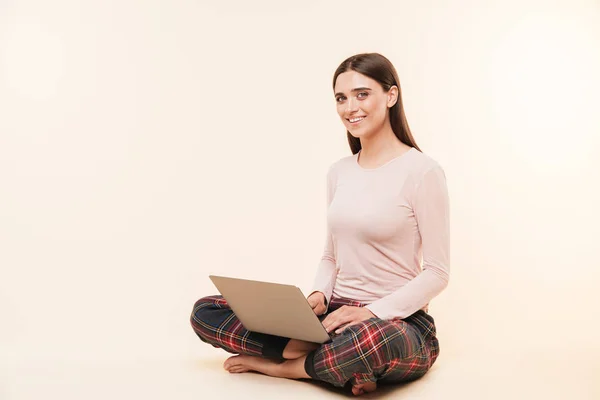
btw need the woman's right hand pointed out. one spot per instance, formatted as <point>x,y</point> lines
<point>317,302</point>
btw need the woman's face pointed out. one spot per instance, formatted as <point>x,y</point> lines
<point>361,103</point>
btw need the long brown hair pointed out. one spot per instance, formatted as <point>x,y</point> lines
<point>379,68</point>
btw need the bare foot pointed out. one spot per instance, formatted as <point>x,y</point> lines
<point>363,388</point>
<point>245,363</point>
<point>292,369</point>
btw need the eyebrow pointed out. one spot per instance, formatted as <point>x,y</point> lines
<point>353,90</point>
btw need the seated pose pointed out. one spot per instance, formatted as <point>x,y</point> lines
<point>386,254</point>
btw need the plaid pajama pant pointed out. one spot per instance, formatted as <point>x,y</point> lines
<point>375,350</point>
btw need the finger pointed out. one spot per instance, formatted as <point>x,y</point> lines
<point>329,320</point>
<point>339,317</point>
<point>343,328</point>
<point>321,309</point>
<point>335,322</point>
<point>333,316</point>
<point>315,303</point>
<point>328,323</point>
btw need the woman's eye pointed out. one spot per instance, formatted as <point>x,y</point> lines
<point>363,94</point>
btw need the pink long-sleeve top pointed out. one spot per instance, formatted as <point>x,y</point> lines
<point>388,234</point>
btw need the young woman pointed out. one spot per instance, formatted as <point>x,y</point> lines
<point>386,255</point>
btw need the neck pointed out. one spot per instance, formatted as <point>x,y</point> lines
<point>381,145</point>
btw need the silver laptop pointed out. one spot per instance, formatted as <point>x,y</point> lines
<point>271,308</point>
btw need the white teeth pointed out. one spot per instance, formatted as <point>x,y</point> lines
<point>357,119</point>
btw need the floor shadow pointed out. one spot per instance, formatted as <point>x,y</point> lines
<point>214,363</point>
<point>384,390</point>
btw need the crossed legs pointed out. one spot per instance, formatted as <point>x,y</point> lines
<point>373,351</point>
<point>292,368</point>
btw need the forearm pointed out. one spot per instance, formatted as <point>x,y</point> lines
<point>325,278</point>
<point>411,297</point>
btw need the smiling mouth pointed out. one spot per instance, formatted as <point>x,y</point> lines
<point>355,120</point>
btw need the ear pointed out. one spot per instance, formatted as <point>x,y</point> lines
<point>392,96</point>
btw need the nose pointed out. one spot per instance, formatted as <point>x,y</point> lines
<point>351,106</point>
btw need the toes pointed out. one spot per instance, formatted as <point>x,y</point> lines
<point>363,388</point>
<point>236,364</point>
<point>230,362</point>
<point>370,386</point>
<point>357,391</point>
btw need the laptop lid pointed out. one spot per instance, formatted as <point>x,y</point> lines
<point>271,308</point>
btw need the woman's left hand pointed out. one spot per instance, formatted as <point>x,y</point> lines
<point>346,316</point>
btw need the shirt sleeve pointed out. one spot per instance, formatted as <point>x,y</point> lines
<point>327,270</point>
<point>431,210</point>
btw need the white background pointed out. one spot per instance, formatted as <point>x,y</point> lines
<point>147,144</point>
